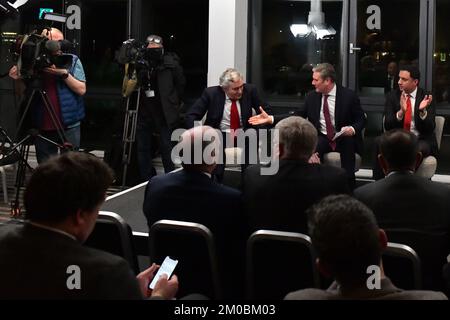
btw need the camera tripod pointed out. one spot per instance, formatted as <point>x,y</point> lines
<point>21,149</point>
<point>129,132</point>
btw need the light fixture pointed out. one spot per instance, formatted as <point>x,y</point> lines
<point>316,24</point>
<point>56,17</point>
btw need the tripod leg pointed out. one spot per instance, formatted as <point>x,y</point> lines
<point>20,179</point>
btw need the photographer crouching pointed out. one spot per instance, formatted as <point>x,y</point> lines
<point>162,82</point>
<point>64,86</point>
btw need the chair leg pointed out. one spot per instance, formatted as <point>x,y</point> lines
<point>5,189</point>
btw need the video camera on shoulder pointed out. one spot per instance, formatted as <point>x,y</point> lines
<point>35,52</point>
<point>136,52</point>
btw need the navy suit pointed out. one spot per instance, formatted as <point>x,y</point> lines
<point>192,196</point>
<point>213,102</point>
<point>425,127</point>
<point>348,112</point>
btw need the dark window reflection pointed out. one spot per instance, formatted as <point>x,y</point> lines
<point>287,60</point>
<point>441,57</point>
<point>101,39</point>
<point>384,50</point>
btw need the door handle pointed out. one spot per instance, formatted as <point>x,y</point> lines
<point>353,49</point>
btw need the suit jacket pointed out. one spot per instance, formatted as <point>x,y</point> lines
<point>279,202</point>
<point>387,292</point>
<point>34,262</point>
<point>414,211</point>
<point>192,196</point>
<point>213,102</point>
<point>404,200</point>
<point>348,112</point>
<point>425,127</point>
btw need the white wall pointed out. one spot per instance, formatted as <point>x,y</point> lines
<point>227,39</point>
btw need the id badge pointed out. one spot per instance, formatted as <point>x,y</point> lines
<point>149,93</point>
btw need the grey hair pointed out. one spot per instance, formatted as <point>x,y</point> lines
<point>326,70</point>
<point>229,75</point>
<point>298,136</point>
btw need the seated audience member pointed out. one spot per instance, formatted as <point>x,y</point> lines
<point>279,201</point>
<point>43,257</point>
<point>191,195</point>
<point>404,200</point>
<point>413,109</point>
<point>349,244</point>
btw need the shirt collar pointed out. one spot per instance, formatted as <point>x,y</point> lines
<point>332,91</point>
<point>38,225</point>
<point>413,94</point>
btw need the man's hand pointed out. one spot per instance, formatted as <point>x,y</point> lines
<point>425,102</point>
<point>165,288</point>
<point>55,71</point>
<point>262,118</point>
<point>145,277</point>
<point>348,131</point>
<point>403,106</point>
<point>314,158</point>
<point>14,73</point>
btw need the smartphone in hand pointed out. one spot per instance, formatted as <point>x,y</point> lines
<point>167,267</point>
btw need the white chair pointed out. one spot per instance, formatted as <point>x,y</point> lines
<point>429,164</point>
<point>334,158</point>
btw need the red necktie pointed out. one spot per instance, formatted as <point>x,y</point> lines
<point>329,125</point>
<point>408,115</point>
<point>234,118</point>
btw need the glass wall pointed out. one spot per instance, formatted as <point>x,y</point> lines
<point>441,55</point>
<point>295,35</point>
<point>385,43</point>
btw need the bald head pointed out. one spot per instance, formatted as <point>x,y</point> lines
<point>200,147</point>
<point>53,34</point>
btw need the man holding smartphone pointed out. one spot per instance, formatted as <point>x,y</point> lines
<point>44,258</point>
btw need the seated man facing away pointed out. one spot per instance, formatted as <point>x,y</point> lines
<point>349,244</point>
<point>43,257</point>
<point>191,195</point>
<point>279,201</point>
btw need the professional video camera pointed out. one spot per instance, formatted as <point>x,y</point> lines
<point>35,52</point>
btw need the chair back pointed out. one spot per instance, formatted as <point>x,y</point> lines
<point>279,262</point>
<point>402,265</point>
<point>112,234</point>
<point>431,247</point>
<point>192,244</point>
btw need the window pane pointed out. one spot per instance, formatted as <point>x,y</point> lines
<point>441,57</point>
<point>287,59</point>
<point>385,41</point>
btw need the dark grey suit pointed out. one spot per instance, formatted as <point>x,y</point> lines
<point>279,202</point>
<point>414,211</point>
<point>34,265</point>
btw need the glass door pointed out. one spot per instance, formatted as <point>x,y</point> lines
<point>384,35</point>
<point>289,38</point>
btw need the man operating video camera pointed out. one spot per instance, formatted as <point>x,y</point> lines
<point>162,81</point>
<point>63,82</point>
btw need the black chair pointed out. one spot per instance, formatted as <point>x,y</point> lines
<point>432,249</point>
<point>192,244</point>
<point>112,234</point>
<point>279,262</point>
<point>402,265</point>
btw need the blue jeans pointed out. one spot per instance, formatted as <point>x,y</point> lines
<point>145,148</point>
<point>45,149</point>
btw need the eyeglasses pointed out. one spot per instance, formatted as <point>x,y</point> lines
<point>154,39</point>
